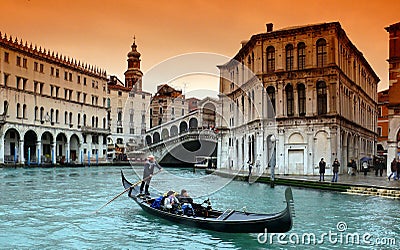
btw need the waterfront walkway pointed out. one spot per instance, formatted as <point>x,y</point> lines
<point>359,184</point>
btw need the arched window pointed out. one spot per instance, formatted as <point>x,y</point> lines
<point>289,57</point>
<point>84,119</point>
<point>289,100</point>
<point>92,121</point>
<point>24,111</point>
<point>79,119</point>
<point>321,53</point>
<point>270,59</point>
<point>97,122</point>
<point>301,55</point>
<point>301,93</point>
<point>57,115</point>
<point>321,98</point>
<point>51,115</point>
<point>66,117</point>
<point>70,118</point>
<point>36,113</point>
<point>271,95</point>
<point>18,110</point>
<point>41,113</point>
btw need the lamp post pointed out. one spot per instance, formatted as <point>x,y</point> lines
<point>273,160</point>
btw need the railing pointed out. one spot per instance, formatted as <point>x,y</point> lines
<point>92,130</point>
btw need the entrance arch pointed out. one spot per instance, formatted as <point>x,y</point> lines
<point>74,148</point>
<point>193,124</point>
<point>61,148</point>
<point>47,147</point>
<point>11,145</point>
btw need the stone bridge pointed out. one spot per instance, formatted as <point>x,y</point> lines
<point>179,141</point>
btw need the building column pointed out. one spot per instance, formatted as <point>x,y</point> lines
<point>2,145</point>
<point>21,152</point>
<point>280,152</point>
<point>53,152</point>
<point>310,151</point>
<point>39,152</point>
<point>67,152</point>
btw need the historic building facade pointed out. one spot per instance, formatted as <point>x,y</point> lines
<point>383,122</point>
<point>129,109</point>
<point>53,108</point>
<point>393,105</point>
<point>166,105</point>
<point>323,101</point>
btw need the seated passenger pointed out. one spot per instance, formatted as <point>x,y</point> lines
<point>171,202</point>
<point>184,197</point>
<point>186,202</point>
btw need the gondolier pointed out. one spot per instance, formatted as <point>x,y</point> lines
<point>147,173</point>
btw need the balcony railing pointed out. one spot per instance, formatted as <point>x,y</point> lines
<point>92,130</point>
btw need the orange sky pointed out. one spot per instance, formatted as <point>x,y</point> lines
<point>100,32</point>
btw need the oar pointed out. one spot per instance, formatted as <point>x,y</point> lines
<point>133,185</point>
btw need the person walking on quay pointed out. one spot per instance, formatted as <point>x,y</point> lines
<point>353,166</point>
<point>381,167</point>
<point>335,166</point>
<point>350,167</point>
<point>365,167</point>
<point>393,168</point>
<point>322,166</point>
<point>147,174</point>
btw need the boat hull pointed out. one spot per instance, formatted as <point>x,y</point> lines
<point>234,222</point>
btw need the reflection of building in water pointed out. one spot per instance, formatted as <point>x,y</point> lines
<point>323,96</point>
<point>393,104</point>
<point>128,110</point>
<point>52,109</point>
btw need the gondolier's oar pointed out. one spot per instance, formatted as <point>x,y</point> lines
<point>127,189</point>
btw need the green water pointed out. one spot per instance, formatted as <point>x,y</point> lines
<point>52,209</point>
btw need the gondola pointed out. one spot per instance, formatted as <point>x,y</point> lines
<point>229,221</point>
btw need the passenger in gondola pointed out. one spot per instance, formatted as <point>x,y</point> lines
<point>171,203</point>
<point>186,203</point>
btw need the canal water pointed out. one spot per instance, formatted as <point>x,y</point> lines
<point>52,208</point>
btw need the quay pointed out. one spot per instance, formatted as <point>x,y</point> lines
<point>359,184</point>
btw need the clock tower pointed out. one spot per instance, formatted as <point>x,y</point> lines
<point>133,75</point>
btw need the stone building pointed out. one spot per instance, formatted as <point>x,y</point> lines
<point>393,145</point>
<point>166,105</point>
<point>383,122</point>
<point>128,110</point>
<point>323,101</point>
<point>52,108</point>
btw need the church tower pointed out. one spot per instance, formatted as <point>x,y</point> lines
<point>133,75</point>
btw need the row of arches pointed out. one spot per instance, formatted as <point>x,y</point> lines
<point>172,131</point>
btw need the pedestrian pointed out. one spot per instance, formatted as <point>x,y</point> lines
<point>376,166</point>
<point>250,164</point>
<point>393,168</point>
<point>147,174</point>
<point>381,166</point>
<point>335,166</point>
<point>322,166</point>
<point>350,167</point>
<point>353,166</point>
<point>398,169</point>
<point>365,167</point>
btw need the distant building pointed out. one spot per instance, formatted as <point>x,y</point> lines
<point>323,96</point>
<point>383,122</point>
<point>192,103</point>
<point>166,105</point>
<point>393,105</point>
<point>128,109</point>
<point>53,109</point>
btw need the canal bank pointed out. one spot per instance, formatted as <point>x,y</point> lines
<point>360,184</point>
<point>50,165</point>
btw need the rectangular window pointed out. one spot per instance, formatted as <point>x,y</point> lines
<point>35,66</point>
<point>41,88</point>
<point>6,57</point>
<point>5,79</point>
<point>84,98</point>
<point>84,81</point>
<point>379,111</point>
<point>70,94</point>
<point>70,77</point>
<point>18,61</point>
<point>51,71</point>
<point>183,111</point>
<point>57,73</point>
<point>79,79</point>
<point>57,90</point>
<point>78,96</point>
<point>65,94</point>
<point>41,68</point>
<point>132,131</point>
<point>51,90</point>
<point>65,75</point>
<point>18,79</point>
<point>25,63</point>
<point>379,131</point>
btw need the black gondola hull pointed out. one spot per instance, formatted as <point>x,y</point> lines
<point>236,222</point>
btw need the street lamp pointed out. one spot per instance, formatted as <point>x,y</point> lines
<point>273,161</point>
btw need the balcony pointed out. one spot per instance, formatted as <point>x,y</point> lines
<point>92,130</point>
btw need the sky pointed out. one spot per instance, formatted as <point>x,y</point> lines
<point>101,32</point>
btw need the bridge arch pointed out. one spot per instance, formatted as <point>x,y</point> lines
<point>193,123</point>
<point>183,127</point>
<point>164,134</point>
<point>174,131</point>
<point>156,137</point>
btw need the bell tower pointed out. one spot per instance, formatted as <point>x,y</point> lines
<point>133,75</point>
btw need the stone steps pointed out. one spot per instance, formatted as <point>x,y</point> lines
<point>389,193</point>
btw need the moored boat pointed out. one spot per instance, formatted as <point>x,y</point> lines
<point>229,221</point>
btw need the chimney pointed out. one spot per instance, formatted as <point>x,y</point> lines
<point>270,27</point>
